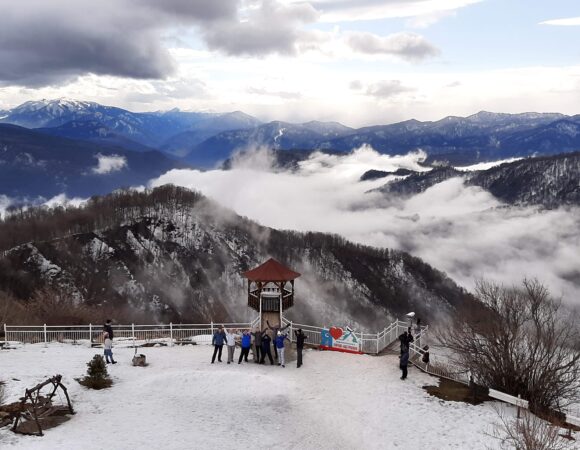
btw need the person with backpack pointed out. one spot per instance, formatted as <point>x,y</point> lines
<point>266,348</point>
<point>246,344</point>
<point>218,341</point>
<point>231,344</point>
<point>300,338</point>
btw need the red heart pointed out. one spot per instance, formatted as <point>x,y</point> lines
<point>336,332</point>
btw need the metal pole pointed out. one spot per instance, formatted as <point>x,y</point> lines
<point>45,339</point>
<point>5,334</point>
<point>91,334</point>
<point>377,343</point>
<point>171,333</point>
<point>133,331</point>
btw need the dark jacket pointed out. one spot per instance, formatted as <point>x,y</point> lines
<point>219,338</point>
<point>404,359</point>
<point>266,342</point>
<point>257,338</point>
<point>109,330</point>
<point>300,338</point>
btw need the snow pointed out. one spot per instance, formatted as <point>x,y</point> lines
<point>181,401</point>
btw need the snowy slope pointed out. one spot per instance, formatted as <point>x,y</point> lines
<point>181,401</point>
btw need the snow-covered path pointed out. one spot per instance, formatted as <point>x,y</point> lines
<point>181,401</point>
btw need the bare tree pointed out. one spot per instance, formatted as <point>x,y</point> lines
<point>528,433</point>
<point>520,344</point>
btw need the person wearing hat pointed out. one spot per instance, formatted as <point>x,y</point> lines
<point>300,338</point>
<point>218,341</point>
<point>280,338</point>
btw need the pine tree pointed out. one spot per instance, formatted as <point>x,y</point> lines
<point>97,376</point>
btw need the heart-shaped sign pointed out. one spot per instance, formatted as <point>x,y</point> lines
<point>335,332</point>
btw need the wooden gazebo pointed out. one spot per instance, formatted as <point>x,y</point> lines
<point>271,290</point>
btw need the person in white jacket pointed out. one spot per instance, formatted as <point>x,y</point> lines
<point>231,343</point>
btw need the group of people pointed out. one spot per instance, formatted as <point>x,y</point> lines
<point>259,342</point>
<point>406,339</point>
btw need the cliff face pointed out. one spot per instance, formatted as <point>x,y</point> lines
<point>181,259</point>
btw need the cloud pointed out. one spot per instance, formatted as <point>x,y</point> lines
<point>409,46</point>
<point>387,89</point>
<point>109,163</point>
<point>63,200</point>
<point>568,22</point>
<point>288,95</point>
<point>5,202</point>
<point>269,28</point>
<point>461,230</point>
<point>355,10</point>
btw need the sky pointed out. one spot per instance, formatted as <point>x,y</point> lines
<point>360,62</point>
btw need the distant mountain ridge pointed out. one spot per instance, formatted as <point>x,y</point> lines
<point>206,139</point>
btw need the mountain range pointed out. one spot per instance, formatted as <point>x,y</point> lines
<point>204,139</point>
<point>81,148</point>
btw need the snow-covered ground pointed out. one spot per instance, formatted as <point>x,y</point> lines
<point>181,401</point>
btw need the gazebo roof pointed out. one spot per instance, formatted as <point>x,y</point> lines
<point>271,270</point>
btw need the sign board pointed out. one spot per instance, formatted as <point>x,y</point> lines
<point>337,339</point>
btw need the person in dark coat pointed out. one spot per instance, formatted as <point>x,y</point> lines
<point>107,328</point>
<point>406,338</point>
<point>404,362</point>
<point>246,344</point>
<point>266,348</point>
<point>218,341</point>
<point>300,338</point>
<point>257,344</point>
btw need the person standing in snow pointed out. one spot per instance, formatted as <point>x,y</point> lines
<point>266,348</point>
<point>246,344</point>
<point>231,344</point>
<point>300,338</point>
<point>218,340</point>
<point>107,327</point>
<point>108,349</point>
<point>275,331</point>
<point>257,344</point>
<point>406,338</point>
<point>279,344</point>
<point>404,362</point>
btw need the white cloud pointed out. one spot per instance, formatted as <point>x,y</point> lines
<point>109,163</point>
<point>356,10</point>
<point>5,202</point>
<point>461,230</point>
<point>409,46</point>
<point>568,22</point>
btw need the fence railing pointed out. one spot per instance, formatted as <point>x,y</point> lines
<point>88,334</point>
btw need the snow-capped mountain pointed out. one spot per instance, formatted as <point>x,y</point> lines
<point>178,256</point>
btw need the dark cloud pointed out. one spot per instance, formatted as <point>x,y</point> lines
<point>50,42</point>
<point>409,46</point>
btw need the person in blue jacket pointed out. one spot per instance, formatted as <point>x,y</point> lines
<point>274,334</point>
<point>246,344</point>
<point>218,341</point>
<point>280,338</point>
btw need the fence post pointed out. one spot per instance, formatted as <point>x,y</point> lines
<point>45,339</point>
<point>5,334</point>
<point>171,333</point>
<point>90,335</point>
<point>377,343</point>
<point>212,327</point>
<point>133,331</point>
<point>519,397</point>
<point>291,331</point>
